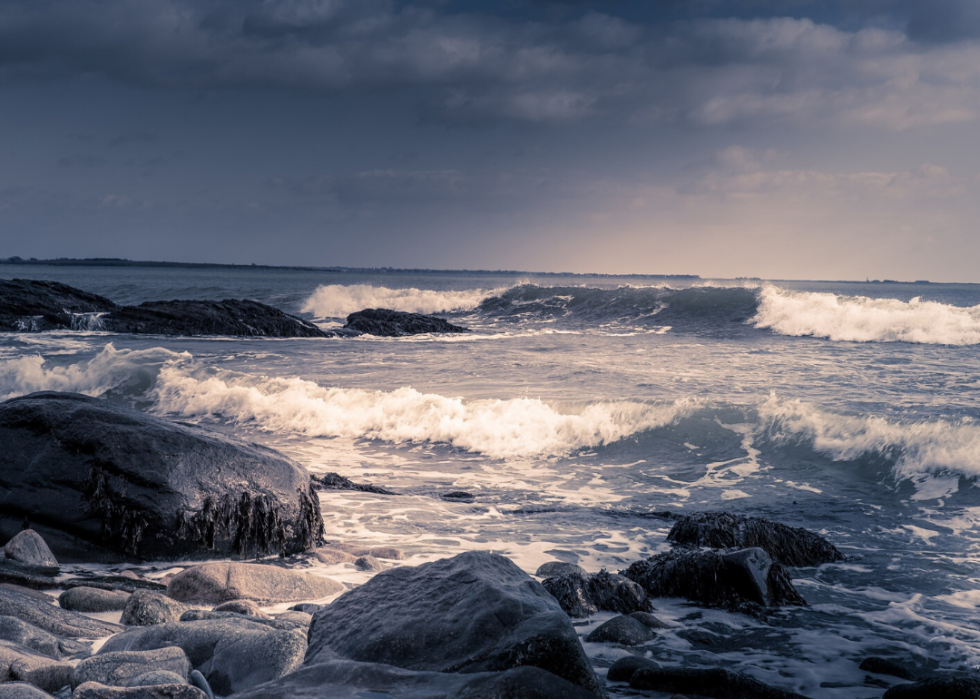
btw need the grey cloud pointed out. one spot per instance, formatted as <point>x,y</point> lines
<point>81,161</point>
<point>133,137</point>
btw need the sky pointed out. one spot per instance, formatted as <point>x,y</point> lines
<point>798,139</point>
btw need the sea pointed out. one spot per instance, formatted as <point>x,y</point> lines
<point>580,410</point>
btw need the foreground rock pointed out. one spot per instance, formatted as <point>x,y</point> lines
<point>119,668</point>
<point>95,690</point>
<point>48,617</point>
<point>738,581</point>
<point>146,608</point>
<point>25,665</point>
<point>623,669</point>
<point>28,547</point>
<point>581,594</point>
<point>790,546</point>
<point>214,583</point>
<point>718,684</point>
<point>934,688</point>
<point>21,690</point>
<point>28,305</point>
<point>388,323</point>
<point>344,679</point>
<point>475,612</point>
<point>228,317</point>
<point>129,484</point>
<point>233,653</point>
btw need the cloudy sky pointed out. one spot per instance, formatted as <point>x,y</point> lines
<point>775,138</point>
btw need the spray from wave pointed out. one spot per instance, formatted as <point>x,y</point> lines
<point>862,319</point>
<point>338,300</point>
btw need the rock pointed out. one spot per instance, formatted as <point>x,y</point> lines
<point>29,547</point>
<point>298,620</point>
<point>386,552</point>
<point>648,619</point>
<point>20,663</point>
<point>458,496</point>
<point>334,481</point>
<point>50,618</point>
<point>790,546</point>
<point>207,614</point>
<point>388,323</point>
<point>94,690</point>
<point>733,581</point>
<point>115,583</point>
<point>474,612</point>
<point>118,668</point>
<point>133,485</point>
<point>228,317</point>
<point>241,606</point>
<point>343,679</point>
<point>883,666</point>
<point>329,556</point>
<point>934,688</point>
<point>214,583</point>
<point>623,669</point>
<point>721,684</point>
<point>582,595</point>
<point>23,575</point>
<point>306,608</point>
<point>199,681</point>
<point>233,653</point>
<point>30,305</point>
<point>624,630</point>
<point>146,608</point>
<point>369,563</point>
<point>21,690</point>
<point>553,569</point>
<point>155,677</point>
<point>128,574</point>
<point>93,600</point>
<point>24,634</point>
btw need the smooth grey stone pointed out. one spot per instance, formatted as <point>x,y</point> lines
<point>94,690</point>
<point>93,600</point>
<point>648,619</point>
<point>299,620</point>
<point>52,618</point>
<point>146,608</point>
<point>30,636</point>
<point>117,668</point>
<point>155,677</point>
<point>21,690</point>
<point>387,323</point>
<point>241,606</point>
<point>29,547</point>
<point>553,568</point>
<point>19,662</point>
<point>624,630</point>
<point>214,583</point>
<point>368,563</point>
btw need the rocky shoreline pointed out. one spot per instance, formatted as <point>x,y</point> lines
<point>83,481</point>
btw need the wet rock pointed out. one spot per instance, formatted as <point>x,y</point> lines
<point>553,569</point>
<point>474,612</point>
<point>571,590</point>
<point>214,583</point>
<point>306,608</point>
<point>623,669</point>
<point>790,546</point>
<point>624,630</point>
<point>22,664</point>
<point>334,481</point>
<point>233,653</point>
<point>934,688</point>
<point>118,668</point>
<point>109,480</point>
<point>458,496</point>
<point>23,575</point>
<point>21,690</point>
<point>24,634</point>
<point>241,606</point>
<point>155,677</point>
<point>715,683</point>
<point>32,305</point>
<point>45,615</point>
<point>329,556</point>
<point>388,323</point>
<point>582,595</point>
<point>229,317</point>
<point>883,666</point>
<point>30,548</point>
<point>368,563</point>
<point>736,581</point>
<point>94,690</point>
<point>343,679</point>
<point>115,583</point>
<point>93,600</point>
<point>649,620</point>
<point>145,608</point>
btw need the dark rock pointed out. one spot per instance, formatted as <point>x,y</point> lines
<point>117,583</point>
<point>20,663</point>
<point>118,668</point>
<point>214,583</point>
<point>388,323</point>
<point>883,666</point>
<point>790,546</point>
<point>474,612</point>
<point>718,684</point>
<point>233,653</point>
<point>298,620</point>
<point>734,581</point>
<point>582,595</point>
<point>623,669</point>
<point>199,681</point>
<point>228,317</point>
<point>154,677</point>
<point>29,547</point>
<point>94,690</point>
<point>553,569</point>
<point>23,575</point>
<point>368,563</point>
<point>208,614</point>
<point>21,690</point>
<point>241,606</point>
<point>30,305</point>
<point>458,496</point>
<point>306,607</point>
<point>53,619</point>
<point>934,688</point>
<point>650,620</point>
<point>131,484</point>
<point>146,608</point>
<point>334,481</point>
<point>30,636</point>
<point>93,600</point>
<point>624,630</point>
<point>343,679</point>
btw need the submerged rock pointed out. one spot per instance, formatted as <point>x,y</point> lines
<point>24,634</point>
<point>29,547</point>
<point>134,485</point>
<point>716,683</point>
<point>334,481</point>
<point>732,581</point>
<point>388,323</point>
<point>790,546</point>
<point>475,612</point>
<point>21,690</point>
<point>214,583</point>
<point>883,666</point>
<point>228,317</point>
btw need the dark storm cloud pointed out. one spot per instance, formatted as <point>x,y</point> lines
<point>702,61</point>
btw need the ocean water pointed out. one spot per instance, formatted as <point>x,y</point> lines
<point>580,407</point>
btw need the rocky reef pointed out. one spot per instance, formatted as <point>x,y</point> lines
<point>387,323</point>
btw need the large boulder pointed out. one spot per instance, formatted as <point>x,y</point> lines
<point>118,668</point>
<point>25,665</point>
<point>233,653</point>
<point>29,547</point>
<point>93,600</point>
<point>344,679</point>
<point>24,634</point>
<point>21,690</point>
<point>388,323</point>
<point>228,317</point>
<point>214,583</point>
<point>145,608</point>
<point>790,546</point>
<point>475,612</point>
<point>737,580</point>
<point>129,484</point>
<point>53,619</point>
<point>96,690</point>
<point>32,305</point>
<point>622,630</point>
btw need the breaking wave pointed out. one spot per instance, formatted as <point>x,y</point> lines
<point>338,300</point>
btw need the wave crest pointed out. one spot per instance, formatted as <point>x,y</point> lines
<point>339,300</point>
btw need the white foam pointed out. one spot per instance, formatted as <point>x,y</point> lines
<point>862,319</point>
<point>338,300</point>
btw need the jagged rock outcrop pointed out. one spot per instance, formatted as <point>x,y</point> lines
<point>582,594</point>
<point>334,481</point>
<point>101,481</point>
<point>33,305</point>
<point>388,323</point>
<point>790,546</point>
